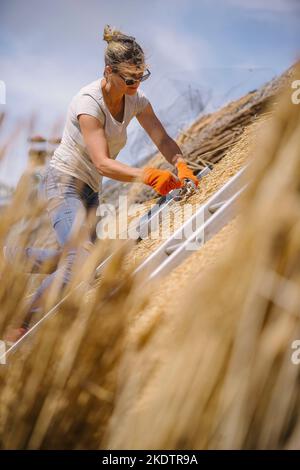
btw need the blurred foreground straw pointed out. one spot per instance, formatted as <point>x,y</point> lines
<point>57,390</point>
<point>222,376</point>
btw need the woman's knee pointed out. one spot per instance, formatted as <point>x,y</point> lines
<point>67,219</point>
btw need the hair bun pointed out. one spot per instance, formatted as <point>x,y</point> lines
<point>108,33</point>
<point>112,34</point>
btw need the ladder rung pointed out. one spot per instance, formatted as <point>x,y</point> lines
<point>171,248</point>
<point>214,207</point>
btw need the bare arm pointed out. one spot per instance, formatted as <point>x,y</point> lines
<point>95,140</point>
<point>154,128</point>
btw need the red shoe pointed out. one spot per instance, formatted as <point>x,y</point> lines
<point>14,334</point>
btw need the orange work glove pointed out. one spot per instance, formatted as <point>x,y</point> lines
<point>185,172</point>
<point>162,181</point>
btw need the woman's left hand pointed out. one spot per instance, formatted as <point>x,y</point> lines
<point>185,172</point>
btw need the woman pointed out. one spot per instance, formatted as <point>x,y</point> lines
<point>94,133</point>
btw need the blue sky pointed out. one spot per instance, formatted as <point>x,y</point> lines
<point>219,49</point>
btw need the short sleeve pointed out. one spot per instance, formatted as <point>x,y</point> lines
<point>86,104</point>
<point>141,102</point>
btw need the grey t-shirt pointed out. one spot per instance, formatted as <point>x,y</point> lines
<point>71,156</point>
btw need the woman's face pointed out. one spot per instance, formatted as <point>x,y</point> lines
<point>125,71</point>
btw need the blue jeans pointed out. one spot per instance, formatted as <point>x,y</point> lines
<point>69,200</point>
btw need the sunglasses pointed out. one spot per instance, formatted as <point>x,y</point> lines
<point>132,81</point>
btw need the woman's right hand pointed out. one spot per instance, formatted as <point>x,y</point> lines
<point>162,181</point>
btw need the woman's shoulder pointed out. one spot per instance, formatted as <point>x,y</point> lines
<point>140,94</point>
<point>88,100</point>
<point>140,101</point>
<point>93,88</point>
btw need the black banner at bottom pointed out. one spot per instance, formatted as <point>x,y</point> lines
<point>137,458</point>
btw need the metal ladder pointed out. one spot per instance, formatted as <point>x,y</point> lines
<point>198,229</point>
<point>149,219</point>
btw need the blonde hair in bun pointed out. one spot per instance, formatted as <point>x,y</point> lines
<point>112,34</point>
<point>121,50</point>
